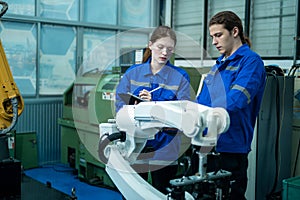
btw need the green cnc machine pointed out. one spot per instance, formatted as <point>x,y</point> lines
<point>88,102</point>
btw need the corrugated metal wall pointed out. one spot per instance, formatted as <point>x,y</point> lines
<point>41,116</point>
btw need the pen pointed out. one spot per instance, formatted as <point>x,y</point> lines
<point>154,89</point>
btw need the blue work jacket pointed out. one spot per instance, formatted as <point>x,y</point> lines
<point>236,84</point>
<point>175,83</point>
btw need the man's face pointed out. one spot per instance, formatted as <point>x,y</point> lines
<point>222,39</point>
<point>162,49</point>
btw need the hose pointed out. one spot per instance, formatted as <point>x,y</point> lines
<point>103,144</point>
<point>14,102</point>
<point>4,8</point>
<point>188,163</point>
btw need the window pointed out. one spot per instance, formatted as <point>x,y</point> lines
<point>134,39</point>
<point>188,20</point>
<point>272,32</point>
<point>100,11</point>
<point>58,56</point>
<point>45,54</point>
<point>135,13</point>
<point>66,10</point>
<point>19,43</point>
<point>272,24</point>
<point>98,50</point>
<point>21,7</point>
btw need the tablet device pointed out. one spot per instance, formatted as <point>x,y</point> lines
<point>130,98</point>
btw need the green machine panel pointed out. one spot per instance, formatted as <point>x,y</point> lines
<point>69,143</point>
<point>88,102</point>
<point>26,149</point>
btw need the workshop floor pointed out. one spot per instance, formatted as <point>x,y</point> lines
<point>34,190</point>
<point>61,180</point>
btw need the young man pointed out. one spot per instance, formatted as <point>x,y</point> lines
<point>236,82</point>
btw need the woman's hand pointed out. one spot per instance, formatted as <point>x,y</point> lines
<point>144,94</point>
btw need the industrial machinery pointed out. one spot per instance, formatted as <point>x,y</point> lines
<point>122,140</point>
<point>87,102</point>
<point>11,100</point>
<point>10,108</point>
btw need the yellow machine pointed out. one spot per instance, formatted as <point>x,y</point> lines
<point>11,106</point>
<point>11,100</point>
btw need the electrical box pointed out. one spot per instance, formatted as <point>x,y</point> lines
<point>26,149</point>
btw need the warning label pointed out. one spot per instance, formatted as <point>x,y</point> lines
<point>108,96</point>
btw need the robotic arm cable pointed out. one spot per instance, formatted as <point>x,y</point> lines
<point>4,8</point>
<point>106,141</point>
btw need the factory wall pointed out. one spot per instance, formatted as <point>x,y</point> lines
<point>44,65</point>
<point>41,117</point>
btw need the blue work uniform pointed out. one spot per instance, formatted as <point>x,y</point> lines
<point>236,84</point>
<point>175,85</point>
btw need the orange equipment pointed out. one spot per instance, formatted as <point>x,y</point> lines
<point>11,101</point>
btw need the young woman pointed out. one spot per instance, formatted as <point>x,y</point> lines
<point>173,84</point>
<point>236,82</point>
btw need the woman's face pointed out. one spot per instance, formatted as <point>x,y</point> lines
<point>162,49</point>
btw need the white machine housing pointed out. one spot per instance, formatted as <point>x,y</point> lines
<point>141,122</point>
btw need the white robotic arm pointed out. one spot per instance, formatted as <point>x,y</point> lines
<point>141,122</point>
<point>189,117</point>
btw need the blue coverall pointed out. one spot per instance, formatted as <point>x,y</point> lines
<point>237,84</point>
<point>175,83</point>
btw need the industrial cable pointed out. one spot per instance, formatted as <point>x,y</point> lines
<point>296,159</point>
<point>103,144</point>
<point>4,8</point>
<point>14,102</point>
<point>277,138</point>
<point>280,122</point>
<point>188,162</point>
<point>293,69</point>
<point>279,127</point>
